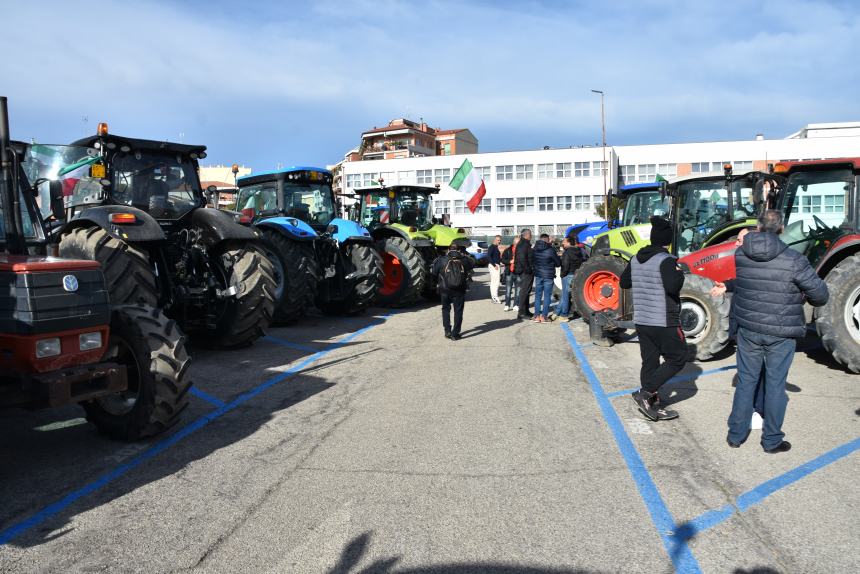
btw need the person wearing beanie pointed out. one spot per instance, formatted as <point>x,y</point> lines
<point>656,281</point>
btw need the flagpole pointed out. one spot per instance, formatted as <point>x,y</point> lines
<point>605,166</point>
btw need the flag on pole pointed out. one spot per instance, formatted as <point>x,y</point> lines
<point>470,185</point>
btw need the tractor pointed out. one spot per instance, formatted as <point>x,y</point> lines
<point>400,220</point>
<point>705,210</point>
<point>62,342</point>
<point>318,259</point>
<point>822,216</point>
<point>142,215</point>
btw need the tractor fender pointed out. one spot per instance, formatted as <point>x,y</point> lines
<point>842,248</point>
<point>388,231</point>
<point>294,229</point>
<point>344,230</point>
<point>217,226</point>
<point>144,229</point>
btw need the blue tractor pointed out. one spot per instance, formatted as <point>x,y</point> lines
<point>319,260</point>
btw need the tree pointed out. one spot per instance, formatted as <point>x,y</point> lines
<point>615,204</point>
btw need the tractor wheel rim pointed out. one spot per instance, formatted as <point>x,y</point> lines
<point>597,285</point>
<point>694,321</point>
<point>852,314</point>
<point>118,404</point>
<point>392,274</point>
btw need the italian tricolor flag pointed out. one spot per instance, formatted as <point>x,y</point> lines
<point>470,185</point>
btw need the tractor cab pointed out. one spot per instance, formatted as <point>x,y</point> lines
<point>302,193</point>
<point>406,206</point>
<point>641,201</point>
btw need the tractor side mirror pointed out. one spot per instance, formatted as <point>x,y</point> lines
<point>663,189</point>
<point>758,193</point>
<point>55,192</point>
<point>212,196</point>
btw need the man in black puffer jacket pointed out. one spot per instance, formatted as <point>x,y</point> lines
<point>769,290</point>
<point>545,261</point>
<point>525,272</point>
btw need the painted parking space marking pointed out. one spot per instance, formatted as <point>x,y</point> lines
<point>18,528</point>
<point>678,379</point>
<point>290,344</point>
<point>676,546</point>
<point>206,397</point>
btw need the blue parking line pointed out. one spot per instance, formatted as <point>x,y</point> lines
<point>54,508</point>
<point>290,344</point>
<point>677,379</point>
<point>206,397</point>
<point>674,542</point>
<point>756,495</point>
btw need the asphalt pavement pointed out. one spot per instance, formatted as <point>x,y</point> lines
<point>374,444</point>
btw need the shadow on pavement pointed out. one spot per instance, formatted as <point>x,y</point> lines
<point>685,388</point>
<point>357,548</point>
<point>488,327</point>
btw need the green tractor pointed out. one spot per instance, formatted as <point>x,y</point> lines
<point>409,238</point>
<point>705,210</point>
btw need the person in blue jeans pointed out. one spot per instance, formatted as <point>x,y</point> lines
<point>545,262</point>
<point>571,259</point>
<point>512,284</point>
<point>771,284</point>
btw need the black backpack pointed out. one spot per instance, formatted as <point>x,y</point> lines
<point>454,275</point>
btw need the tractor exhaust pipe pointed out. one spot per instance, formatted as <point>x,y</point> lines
<point>8,190</point>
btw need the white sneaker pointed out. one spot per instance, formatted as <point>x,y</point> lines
<point>516,307</point>
<point>507,308</point>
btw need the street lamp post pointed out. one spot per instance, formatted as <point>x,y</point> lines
<point>605,165</point>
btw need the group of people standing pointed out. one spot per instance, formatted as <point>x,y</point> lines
<point>526,267</point>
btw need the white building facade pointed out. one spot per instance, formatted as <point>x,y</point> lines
<point>548,190</point>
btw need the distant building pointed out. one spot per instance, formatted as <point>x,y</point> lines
<point>403,138</point>
<point>550,189</point>
<point>222,177</point>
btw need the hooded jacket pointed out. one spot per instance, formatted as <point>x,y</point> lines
<point>656,281</point>
<point>770,286</point>
<point>524,258</point>
<point>439,266</point>
<point>545,260</point>
<point>571,260</point>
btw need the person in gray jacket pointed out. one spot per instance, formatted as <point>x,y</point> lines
<point>656,280</point>
<point>770,287</point>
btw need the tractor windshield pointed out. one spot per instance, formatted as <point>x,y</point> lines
<point>703,206</point>
<point>815,210</point>
<point>165,186</point>
<point>308,201</point>
<point>641,206</point>
<point>410,208</point>
<point>75,166</point>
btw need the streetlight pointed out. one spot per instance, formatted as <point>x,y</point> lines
<point>605,165</point>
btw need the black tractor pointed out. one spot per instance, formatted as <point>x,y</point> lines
<point>143,217</point>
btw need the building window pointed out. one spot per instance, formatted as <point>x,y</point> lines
<point>562,169</point>
<point>483,171</point>
<point>667,169</point>
<point>742,166</point>
<point>387,177</point>
<point>505,204</point>
<point>812,204</point>
<point>597,200</point>
<point>599,168</point>
<point>441,175</point>
<point>701,167</point>
<point>544,171</point>
<point>442,207</point>
<point>581,169</point>
<point>718,165</point>
<point>545,203</point>
<point>525,171</point>
<point>483,207</point>
<point>459,206</point>
<point>834,204</point>
<point>525,204</point>
<point>504,172</point>
<point>446,149</point>
<point>564,202</point>
<point>405,176</point>
<point>628,173</point>
<point>582,202</point>
<point>646,172</point>
<point>353,180</point>
<point>424,176</point>
<point>370,179</point>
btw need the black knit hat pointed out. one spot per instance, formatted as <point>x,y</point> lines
<point>661,231</point>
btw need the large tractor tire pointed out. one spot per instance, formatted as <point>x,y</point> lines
<point>128,274</point>
<point>838,322</point>
<point>431,287</point>
<point>296,275</point>
<point>404,273</point>
<point>153,351</point>
<point>597,285</point>
<point>704,319</point>
<point>246,314</point>
<point>363,259</point>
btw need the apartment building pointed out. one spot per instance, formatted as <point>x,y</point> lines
<point>403,138</point>
<point>547,190</point>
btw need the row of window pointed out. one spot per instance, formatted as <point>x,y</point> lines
<point>523,204</point>
<point>820,204</point>
<point>649,171</point>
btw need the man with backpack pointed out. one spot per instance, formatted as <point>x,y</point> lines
<point>452,272</point>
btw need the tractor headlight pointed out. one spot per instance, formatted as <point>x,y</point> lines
<point>600,244</point>
<point>47,348</point>
<point>90,341</point>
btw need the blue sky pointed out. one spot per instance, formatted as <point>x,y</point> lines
<point>262,83</point>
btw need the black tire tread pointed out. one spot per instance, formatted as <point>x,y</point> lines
<point>834,335</point>
<point>592,264</point>
<point>414,264</point>
<point>301,276</point>
<point>698,287</point>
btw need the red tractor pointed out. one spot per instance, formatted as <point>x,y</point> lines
<point>60,340</point>
<point>821,206</point>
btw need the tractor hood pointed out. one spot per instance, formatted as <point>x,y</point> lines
<point>444,236</point>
